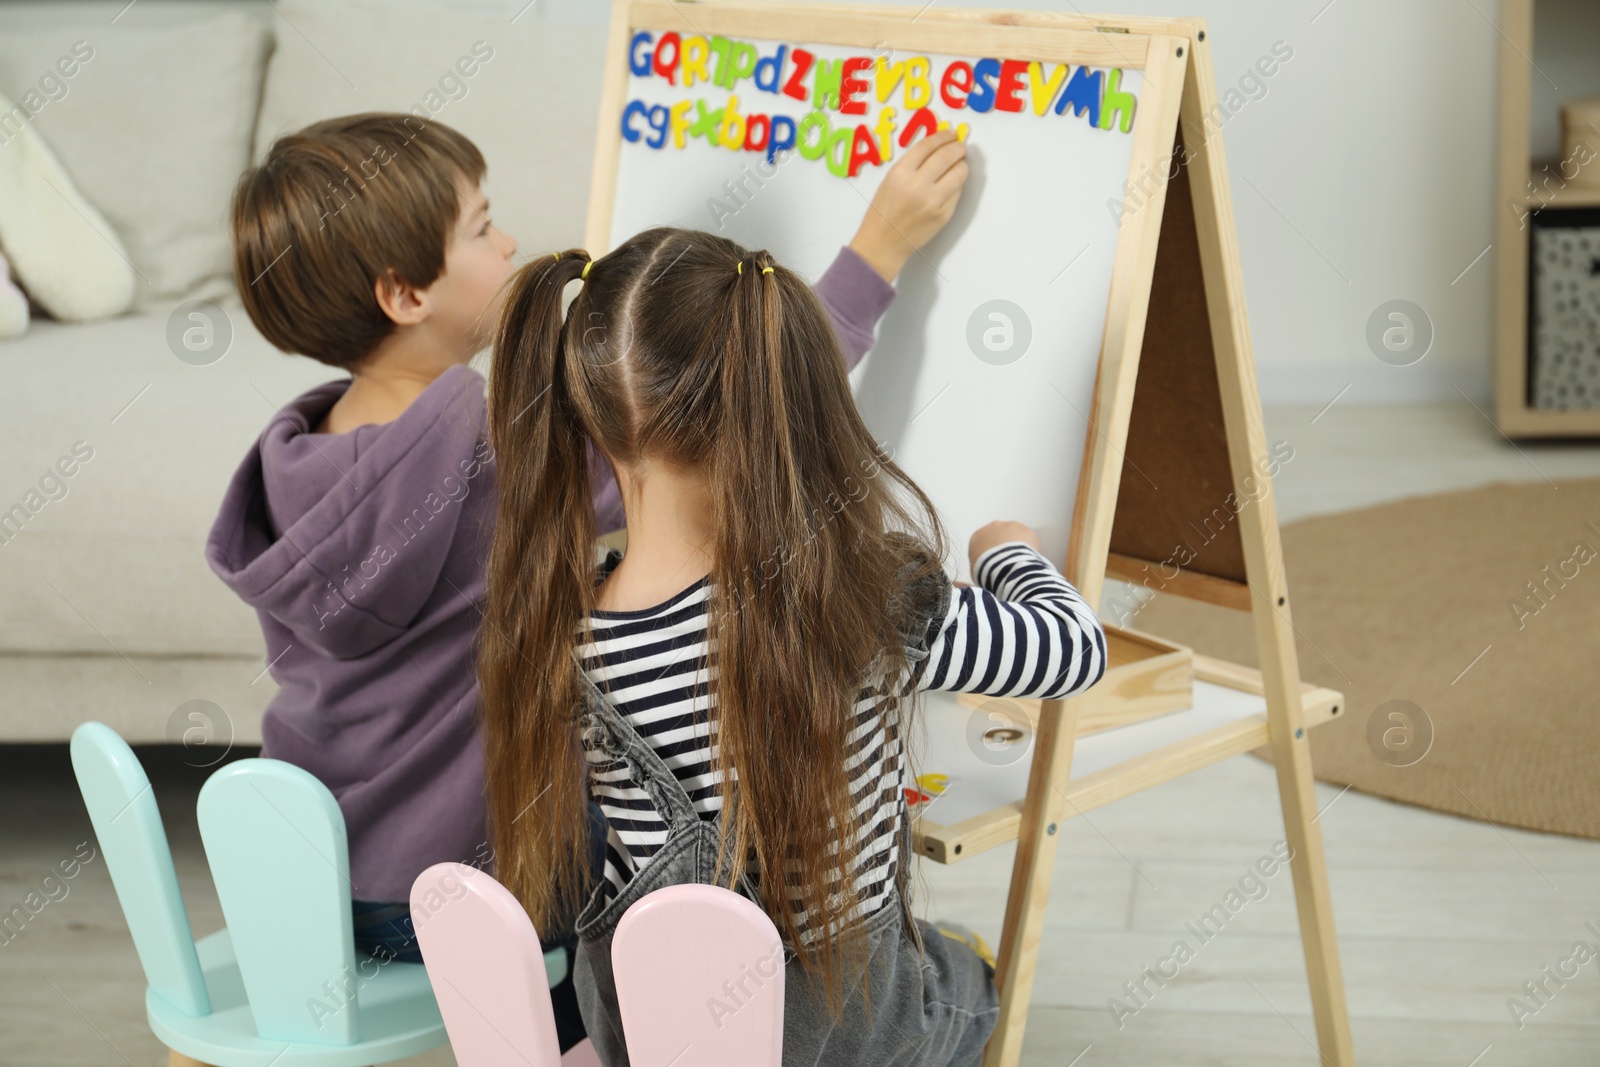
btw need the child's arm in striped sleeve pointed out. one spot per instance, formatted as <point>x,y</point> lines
<point>1022,631</point>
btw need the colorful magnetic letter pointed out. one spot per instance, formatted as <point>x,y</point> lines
<point>757,122</point>
<point>819,121</point>
<point>695,50</point>
<point>1044,90</point>
<point>668,69</point>
<point>838,157</point>
<point>731,133</point>
<point>1012,72</point>
<point>957,77</point>
<point>825,86</point>
<point>783,132</point>
<point>722,48</point>
<point>743,62</point>
<point>769,71</point>
<point>984,73</point>
<point>919,90</point>
<point>639,58</point>
<point>863,149</point>
<point>852,85</point>
<point>888,77</point>
<point>707,123</point>
<point>635,107</point>
<point>1116,103</point>
<point>680,123</point>
<point>802,63</point>
<point>658,123</point>
<point>922,121</point>
<point>885,132</point>
<point>1082,94</point>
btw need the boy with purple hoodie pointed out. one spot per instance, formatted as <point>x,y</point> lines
<point>358,526</point>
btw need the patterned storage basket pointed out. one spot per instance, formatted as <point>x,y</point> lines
<point>1564,310</point>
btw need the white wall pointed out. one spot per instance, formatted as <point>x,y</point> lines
<point>1363,173</point>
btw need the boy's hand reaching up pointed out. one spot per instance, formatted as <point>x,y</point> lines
<point>917,197</point>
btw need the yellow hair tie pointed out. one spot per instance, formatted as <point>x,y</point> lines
<point>741,266</point>
<point>586,267</point>
<point>766,270</point>
<point>556,254</point>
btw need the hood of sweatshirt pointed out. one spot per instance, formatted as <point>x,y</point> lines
<point>341,538</point>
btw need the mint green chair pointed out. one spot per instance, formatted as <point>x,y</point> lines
<point>282,984</point>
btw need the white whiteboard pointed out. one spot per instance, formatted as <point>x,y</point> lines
<point>1035,227</point>
<point>948,741</point>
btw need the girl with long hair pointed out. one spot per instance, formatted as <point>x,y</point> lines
<point>740,679</point>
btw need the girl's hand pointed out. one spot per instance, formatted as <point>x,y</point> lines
<point>998,533</point>
<point>915,200</point>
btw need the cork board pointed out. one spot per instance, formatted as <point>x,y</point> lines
<point>1176,477</point>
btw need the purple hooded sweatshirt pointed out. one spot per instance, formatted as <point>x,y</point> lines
<point>364,554</point>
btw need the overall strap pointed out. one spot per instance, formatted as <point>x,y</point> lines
<point>925,600</point>
<point>609,731</point>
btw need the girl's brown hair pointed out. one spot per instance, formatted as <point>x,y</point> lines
<point>685,348</point>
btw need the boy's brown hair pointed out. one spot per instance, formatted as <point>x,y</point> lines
<point>332,209</point>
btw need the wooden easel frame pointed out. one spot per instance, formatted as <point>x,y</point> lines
<point>1167,50</point>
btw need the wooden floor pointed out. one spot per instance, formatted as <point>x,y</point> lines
<point>1441,920</point>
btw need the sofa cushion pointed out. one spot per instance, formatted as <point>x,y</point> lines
<point>117,454</point>
<point>154,124</point>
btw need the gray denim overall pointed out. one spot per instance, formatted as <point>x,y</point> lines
<point>933,1001</point>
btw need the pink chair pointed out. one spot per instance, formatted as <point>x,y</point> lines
<point>489,973</point>
<point>699,970</point>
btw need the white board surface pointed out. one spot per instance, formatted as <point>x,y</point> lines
<point>948,741</point>
<point>993,436</point>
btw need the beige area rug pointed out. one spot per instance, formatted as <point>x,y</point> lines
<point>1481,608</point>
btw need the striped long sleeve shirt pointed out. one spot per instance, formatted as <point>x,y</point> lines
<point>1021,631</point>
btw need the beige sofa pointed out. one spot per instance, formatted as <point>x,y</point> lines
<point>107,608</point>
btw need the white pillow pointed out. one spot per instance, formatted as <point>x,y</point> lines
<point>66,254</point>
<point>530,103</point>
<point>154,125</point>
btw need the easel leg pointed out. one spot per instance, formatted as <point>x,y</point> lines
<point>1030,878</point>
<point>1263,556</point>
<point>1311,896</point>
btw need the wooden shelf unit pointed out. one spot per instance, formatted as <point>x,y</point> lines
<point>1524,186</point>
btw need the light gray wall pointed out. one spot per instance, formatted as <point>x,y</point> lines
<point>1362,171</point>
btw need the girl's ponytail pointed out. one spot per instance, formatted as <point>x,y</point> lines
<point>539,586</point>
<point>777,557</point>
<point>759,482</point>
